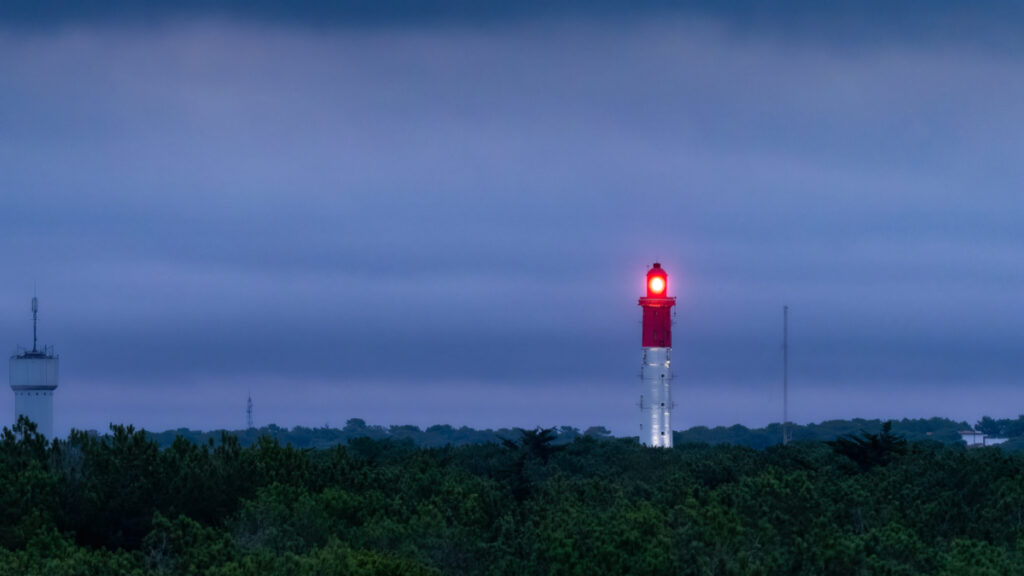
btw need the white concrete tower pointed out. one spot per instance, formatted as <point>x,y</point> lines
<point>34,378</point>
<point>656,368</point>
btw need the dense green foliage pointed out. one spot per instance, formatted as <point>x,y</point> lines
<point>1001,428</point>
<point>868,503</point>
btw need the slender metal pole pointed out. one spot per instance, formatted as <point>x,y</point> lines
<point>35,321</point>
<point>785,374</point>
<point>248,412</point>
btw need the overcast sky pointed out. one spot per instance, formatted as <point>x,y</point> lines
<point>442,213</point>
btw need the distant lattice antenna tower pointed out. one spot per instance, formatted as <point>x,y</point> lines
<point>248,412</point>
<point>35,322</point>
<point>786,434</point>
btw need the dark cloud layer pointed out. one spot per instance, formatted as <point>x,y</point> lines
<point>403,207</point>
<point>942,20</point>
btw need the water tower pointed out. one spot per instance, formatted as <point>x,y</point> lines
<point>33,379</point>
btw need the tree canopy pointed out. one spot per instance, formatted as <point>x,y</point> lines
<point>531,502</point>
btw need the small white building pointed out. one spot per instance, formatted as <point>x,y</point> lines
<point>974,439</point>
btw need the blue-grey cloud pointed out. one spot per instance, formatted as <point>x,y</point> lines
<point>470,193</point>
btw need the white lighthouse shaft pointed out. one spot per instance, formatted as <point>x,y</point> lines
<point>656,398</point>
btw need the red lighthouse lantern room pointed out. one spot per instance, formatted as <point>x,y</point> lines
<point>657,320</point>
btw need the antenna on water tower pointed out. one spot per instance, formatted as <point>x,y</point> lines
<point>785,375</point>
<point>35,320</point>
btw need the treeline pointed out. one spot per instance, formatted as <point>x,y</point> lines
<point>938,429</point>
<point>1002,427</point>
<point>868,503</point>
<point>432,437</point>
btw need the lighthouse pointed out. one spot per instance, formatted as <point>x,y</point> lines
<point>656,368</point>
<point>33,380</point>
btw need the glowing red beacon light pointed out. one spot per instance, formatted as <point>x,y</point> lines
<point>657,285</point>
<point>657,322</point>
<point>657,281</point>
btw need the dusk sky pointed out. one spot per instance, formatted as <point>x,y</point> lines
<point>442,212</point>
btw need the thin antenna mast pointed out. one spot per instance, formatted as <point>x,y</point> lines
<point>35,321</point>
<point>248,412</point>
<point>785,374</point>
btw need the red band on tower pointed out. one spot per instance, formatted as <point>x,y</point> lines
<point>657,330</point>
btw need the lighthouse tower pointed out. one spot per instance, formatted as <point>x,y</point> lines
<point>33,380</point>
<point>656,370</point>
